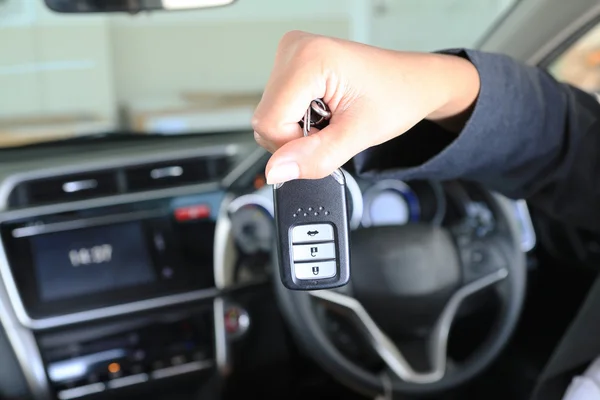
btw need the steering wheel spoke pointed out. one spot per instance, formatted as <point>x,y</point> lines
<point>382,344</point>
<point>437,341</point>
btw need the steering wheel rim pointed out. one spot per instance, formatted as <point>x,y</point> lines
<point>509,281</point>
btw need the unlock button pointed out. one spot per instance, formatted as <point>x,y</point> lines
<point>316,270</point>
<point>313,252</point>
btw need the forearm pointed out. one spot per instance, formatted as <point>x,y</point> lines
<point>460,87</point>
<point>527,137</point>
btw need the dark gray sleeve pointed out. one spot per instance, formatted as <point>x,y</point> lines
<point>529,136</point>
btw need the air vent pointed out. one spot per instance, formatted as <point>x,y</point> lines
<point>71,187</point>
<point>175,173</point>
<point>120,180</point>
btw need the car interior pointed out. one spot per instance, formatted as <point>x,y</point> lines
<point>138,255</point>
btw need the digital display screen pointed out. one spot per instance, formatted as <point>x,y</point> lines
<point>91,260</point>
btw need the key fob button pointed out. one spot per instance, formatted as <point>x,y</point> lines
<point>312,233</point>
<point>317,251</point>
<point>316,270</point>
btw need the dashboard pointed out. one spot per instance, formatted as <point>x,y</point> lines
<point>120,265</point>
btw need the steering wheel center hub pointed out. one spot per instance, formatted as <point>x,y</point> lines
<point>406,271</point>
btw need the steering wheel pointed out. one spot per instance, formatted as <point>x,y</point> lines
<point>407,284</point>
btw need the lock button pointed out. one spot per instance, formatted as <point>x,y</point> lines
<point>314,252</point>
<point>315,270</point>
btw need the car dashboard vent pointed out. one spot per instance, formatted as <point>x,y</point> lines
<point>174,173</point>
<point>139,177</point>
<point>69,187</point>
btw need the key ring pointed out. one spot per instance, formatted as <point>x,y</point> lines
<point>320,108</point>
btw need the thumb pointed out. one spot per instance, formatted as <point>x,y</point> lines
<point>314,156</point>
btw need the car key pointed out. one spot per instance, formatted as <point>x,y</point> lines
<point>311,218</point>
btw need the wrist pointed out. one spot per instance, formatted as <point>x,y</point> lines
<point>458,83</point>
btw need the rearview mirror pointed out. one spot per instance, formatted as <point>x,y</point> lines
<point>130,6</point>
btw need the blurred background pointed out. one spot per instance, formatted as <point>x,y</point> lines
<point>202,70</point>
<point>175,72</point>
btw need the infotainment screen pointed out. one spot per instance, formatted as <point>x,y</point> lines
<point>91,260</point>
<point>97,258</point>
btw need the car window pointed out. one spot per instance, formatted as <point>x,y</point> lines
<point>65,75</point>
<point>579,65</point>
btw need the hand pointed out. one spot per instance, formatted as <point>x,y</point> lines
<point>373,94</point>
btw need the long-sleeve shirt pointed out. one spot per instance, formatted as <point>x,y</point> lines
<point>528,137</point>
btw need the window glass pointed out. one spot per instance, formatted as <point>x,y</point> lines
<point>579,65</point>
<point>196,71</point>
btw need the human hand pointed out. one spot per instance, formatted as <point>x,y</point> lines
<point>373,94</point>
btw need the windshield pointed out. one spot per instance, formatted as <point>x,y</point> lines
<point>200,71</point>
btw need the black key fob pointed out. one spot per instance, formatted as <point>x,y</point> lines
<point>311,218</point>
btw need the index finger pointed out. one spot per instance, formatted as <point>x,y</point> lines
<point>296,80</point>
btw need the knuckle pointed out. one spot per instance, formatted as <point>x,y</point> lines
<point>302,45</point>
<point>315,46</point>
<point>261,124</point>
<point>264,143</point>
<point>263,130</point>
<point>256,124</point>
<point>291,37</point>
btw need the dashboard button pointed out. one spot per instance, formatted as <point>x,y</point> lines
<point>312,233</point>
<point>314,252</point>
<point>316,270</point>
<point>191,213</point>
<point>237,321</point>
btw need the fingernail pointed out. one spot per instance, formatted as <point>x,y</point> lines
<point>283,172</point>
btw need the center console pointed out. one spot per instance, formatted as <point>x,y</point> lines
<point>125,355</point>
<point>117,295</point>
